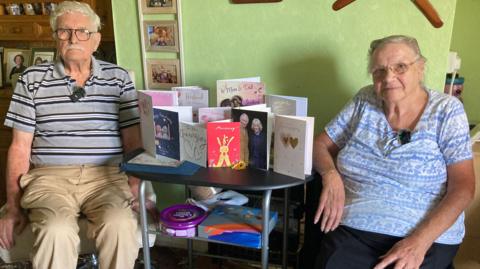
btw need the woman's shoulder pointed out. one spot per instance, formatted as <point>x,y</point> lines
<point>367,96</point>
<point>442,102</point>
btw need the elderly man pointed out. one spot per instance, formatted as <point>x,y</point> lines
<point>72,121</point>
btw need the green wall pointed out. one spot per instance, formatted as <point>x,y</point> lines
<point>301,48</point>
<point>465,41</point>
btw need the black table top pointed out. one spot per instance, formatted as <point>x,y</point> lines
<point>227,178</point>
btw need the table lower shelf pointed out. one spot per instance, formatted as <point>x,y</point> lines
<point>203,239</point>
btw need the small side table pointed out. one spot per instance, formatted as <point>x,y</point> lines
<point>248,180</point>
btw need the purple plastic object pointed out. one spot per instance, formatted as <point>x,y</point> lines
<point>181,220</point>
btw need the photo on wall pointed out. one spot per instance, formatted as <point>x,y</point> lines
<point>16,61</point>
<point>161,36</point>
<point>42,55</point>
<point>159,6</point>
<point>163,74</point>
<point>1,68</point>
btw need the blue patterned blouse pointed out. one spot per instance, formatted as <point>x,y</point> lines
<point>391,187</point>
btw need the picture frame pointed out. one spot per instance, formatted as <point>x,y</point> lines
<point>159,6</point>
<point>1,68</point>
<point>9,56</point>
<point>42,55</point>
<point>163,74</point>
<point>161,35</point>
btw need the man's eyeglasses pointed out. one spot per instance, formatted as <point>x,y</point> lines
<point>397,69</point>
<point>66,34</point>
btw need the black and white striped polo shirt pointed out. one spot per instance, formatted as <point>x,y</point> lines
<point>73,133</point>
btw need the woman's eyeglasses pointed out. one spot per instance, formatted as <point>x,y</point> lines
<point>397,69</point>
<point>66,34</point>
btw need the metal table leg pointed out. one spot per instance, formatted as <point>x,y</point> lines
<point>286,205</point>
<point>190,253</point>
<point>144,223</point>
<point>265,228</point>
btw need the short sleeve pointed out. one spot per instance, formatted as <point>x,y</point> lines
<point>454,137</point>
<point>21,113</point>
<point>128,110</point>
<point>340,128</point>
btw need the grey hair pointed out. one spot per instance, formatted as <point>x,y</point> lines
<point>74,6</point>
<point>258,123</point>
<point>380,43</point>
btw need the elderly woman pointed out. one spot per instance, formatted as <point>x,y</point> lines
<point>396,167</point>
<point>19,65</point>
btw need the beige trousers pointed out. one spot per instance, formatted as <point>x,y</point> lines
<point>56,196</point>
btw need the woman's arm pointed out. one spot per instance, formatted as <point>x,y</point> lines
<point>332,197</point>
<point>410,251</point>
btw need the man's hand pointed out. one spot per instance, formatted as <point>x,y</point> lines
<point>13,220</point>
<point>151,209</point>
<point>332,200</point>
<point>407,253</point>
<point>149,205</point>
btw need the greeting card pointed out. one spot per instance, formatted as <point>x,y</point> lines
<point>293,145</point>
<point>223,142</point>
<point>234,93</point>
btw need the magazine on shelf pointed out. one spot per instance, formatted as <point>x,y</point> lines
<point>223,143</point>
<point>193,146</point>
<point>206,114</point>
<point>193,96</point>
<point>255,134</point>
<point>237,225</point>
<point>236,93</point>
<point>287,105</point>
<point>293,145</point>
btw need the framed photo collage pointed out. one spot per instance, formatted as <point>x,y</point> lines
<point>160,39</point>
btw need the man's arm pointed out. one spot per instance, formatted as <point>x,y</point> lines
<point>131,140</point>
<point>18,164</point>
<point>460,191</point>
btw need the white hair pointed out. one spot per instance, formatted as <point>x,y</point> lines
<point>380,43</point>
<point>258,123</point>
<point>74,6</point>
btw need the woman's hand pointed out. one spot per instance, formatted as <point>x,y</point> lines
<point>408,253</point>
<point>332,200</point>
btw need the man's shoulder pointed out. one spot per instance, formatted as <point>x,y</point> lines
<point>38,69</point>
<point>37,73</point>
<point>106,66</point>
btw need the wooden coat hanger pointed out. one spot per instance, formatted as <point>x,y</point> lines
<point>424,5</point>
